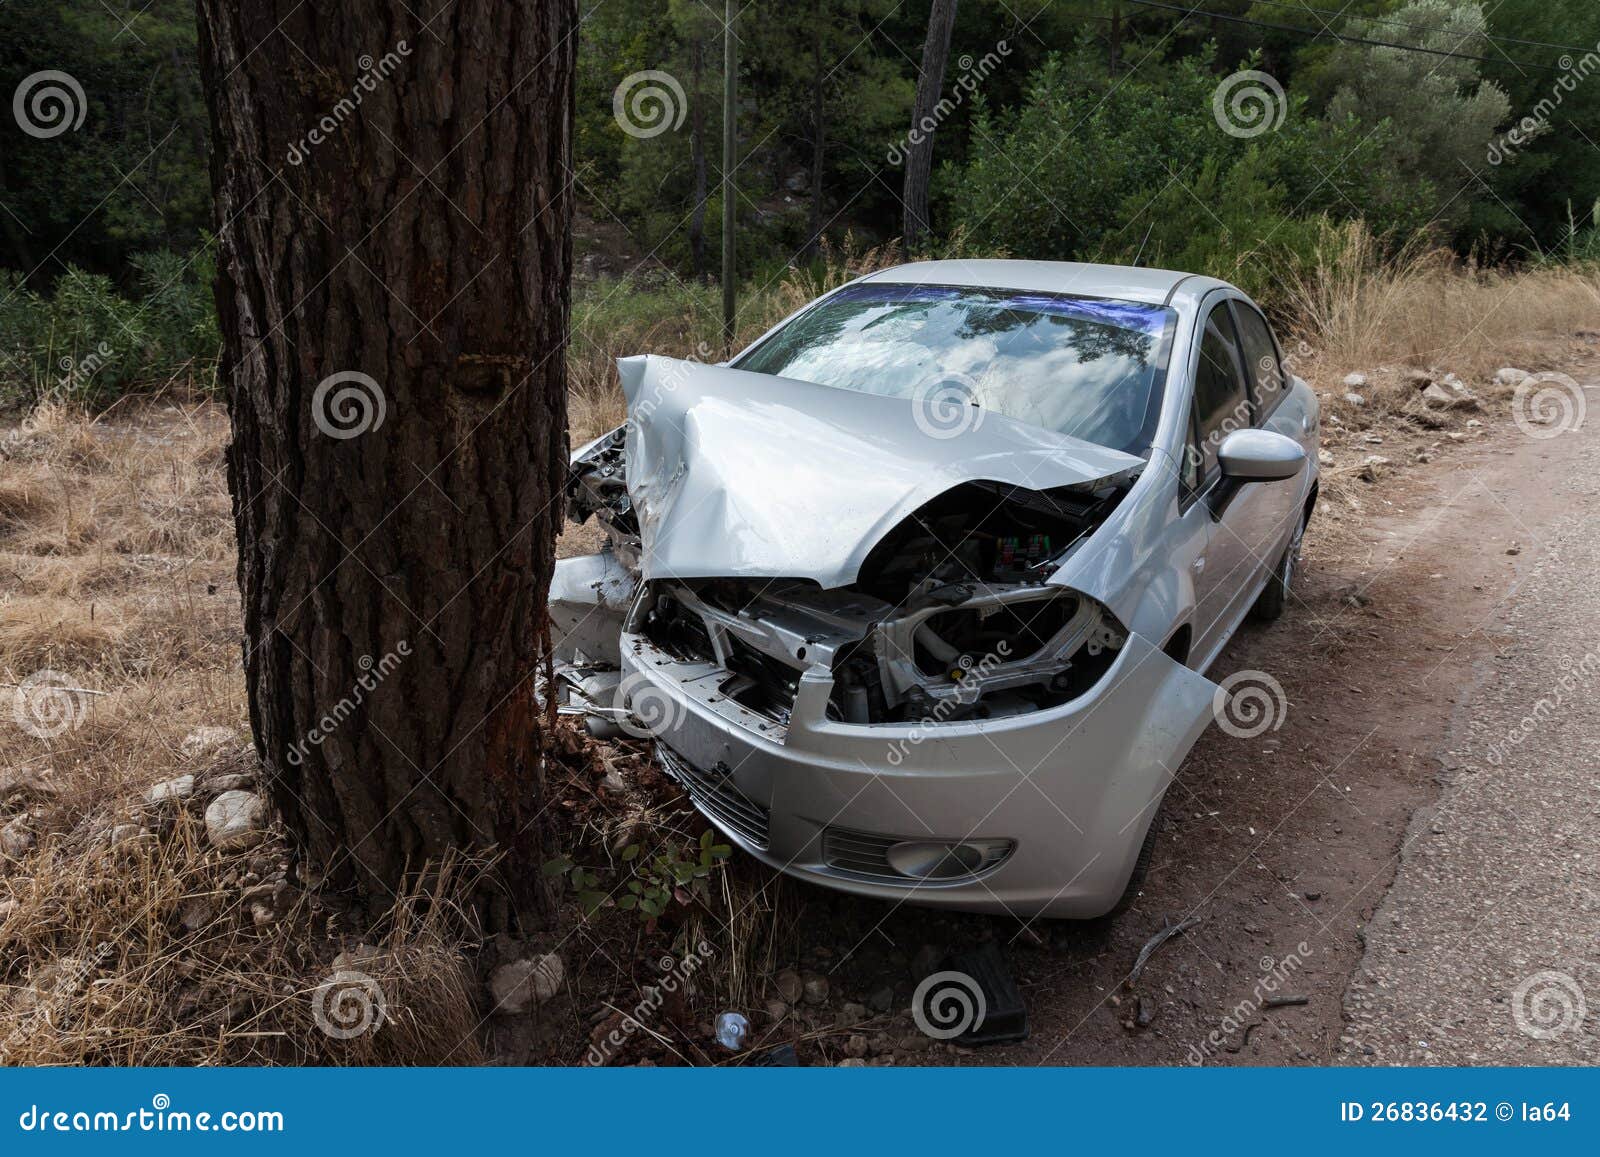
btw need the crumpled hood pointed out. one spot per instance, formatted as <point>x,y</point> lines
<point>739,474</point>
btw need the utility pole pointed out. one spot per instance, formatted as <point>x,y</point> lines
<point>730,147</point>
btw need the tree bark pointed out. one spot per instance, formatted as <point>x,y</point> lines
<point>393,202</point>
<point>919,144</point>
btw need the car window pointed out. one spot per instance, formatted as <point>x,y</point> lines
<point>1219,394</point>
<point>1260,358</point>
<point>1090,367</point>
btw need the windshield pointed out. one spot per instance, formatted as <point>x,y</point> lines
<point>1089,367</point>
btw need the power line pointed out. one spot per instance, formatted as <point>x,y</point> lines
<point>1496,37</point>
<point>1341,36</point>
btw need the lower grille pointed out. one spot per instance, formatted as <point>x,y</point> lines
<point>860,853</point>
<point>867,854</point>
<point>714,793</point>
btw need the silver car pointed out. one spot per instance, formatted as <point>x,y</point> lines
<point>916,595</point>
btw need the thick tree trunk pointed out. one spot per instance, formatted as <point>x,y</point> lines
<point>393,202</point>
<point>697,156</point>
<point>919,144</point>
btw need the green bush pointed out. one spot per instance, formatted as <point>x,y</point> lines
<point>86,342</point>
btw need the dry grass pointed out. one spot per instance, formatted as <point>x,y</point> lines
<point>125,937</point>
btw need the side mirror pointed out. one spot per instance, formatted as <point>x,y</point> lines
<point>1260,456</point>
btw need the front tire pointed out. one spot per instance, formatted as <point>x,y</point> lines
<point>1275,595</point>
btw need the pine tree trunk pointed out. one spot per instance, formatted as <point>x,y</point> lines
<point>393,202</point>
<point>919,145</point>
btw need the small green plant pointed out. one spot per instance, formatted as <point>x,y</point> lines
<point>648,885</point>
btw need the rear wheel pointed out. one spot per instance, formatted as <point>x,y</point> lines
<point>1275,595</point>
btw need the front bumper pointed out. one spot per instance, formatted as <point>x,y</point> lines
<point>1074,787</point>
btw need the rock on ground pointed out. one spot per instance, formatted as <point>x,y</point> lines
<point>521,984</point>
<point>236,819</point>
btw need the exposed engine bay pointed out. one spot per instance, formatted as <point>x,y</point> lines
<point>949,619</point>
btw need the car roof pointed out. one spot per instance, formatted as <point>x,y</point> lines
<point>1124,282</point>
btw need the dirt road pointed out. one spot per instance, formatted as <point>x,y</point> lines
<point>1402,661</point>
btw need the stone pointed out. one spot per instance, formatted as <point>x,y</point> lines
<point>521,984</point>
<point>789,985</point>
<point>856,1045</point>
<point>235,820</point>
<point>15,839</point>
<point>881,999</point>
<point>852,1013</point>
<point>1372,467</point>
<point>851,1063</point>
<point>195,912</point>
<point>206,740</point>
<point>172,791</point>
<point>816,988</point>
<point>237,781</point>
<point>1324,458</point>
<point>1436,395</point>
<point>121,835</point>
<point>27,781</point>
<point>1355,399</point>
<point>777,1010</point>
<point>1355,381</point>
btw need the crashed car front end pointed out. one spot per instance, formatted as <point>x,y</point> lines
<point>872,675</point>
